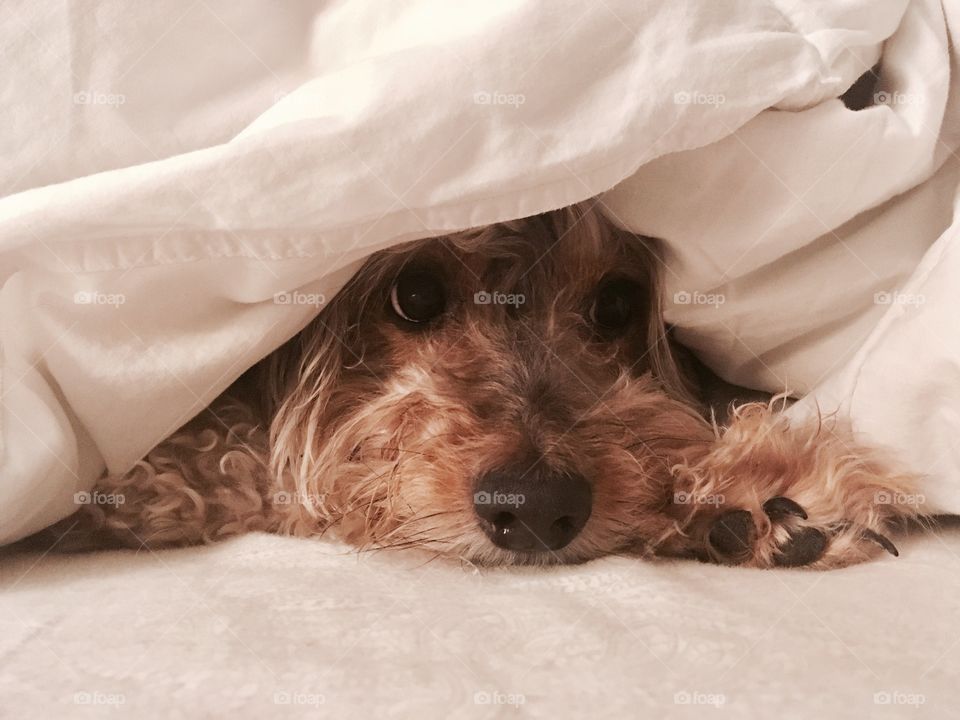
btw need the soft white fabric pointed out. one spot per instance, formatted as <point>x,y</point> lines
<point>236,630</point>
<point>801,234</point>
<point>198,161</point>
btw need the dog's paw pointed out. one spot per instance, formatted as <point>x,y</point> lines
<point>781,534</point>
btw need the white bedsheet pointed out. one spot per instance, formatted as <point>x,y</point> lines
<point>239,629</point>
<point>170,173</point>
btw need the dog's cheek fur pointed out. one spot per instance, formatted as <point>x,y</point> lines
<point>394,469</point>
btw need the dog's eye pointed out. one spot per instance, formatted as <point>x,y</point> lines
<point>418,296</point>
<point>615,305</point>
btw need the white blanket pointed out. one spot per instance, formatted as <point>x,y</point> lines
<point>185,186</point>
<point>268,627</point>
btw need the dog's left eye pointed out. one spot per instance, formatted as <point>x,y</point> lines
<point>615,305</point>
<point>418,296</point>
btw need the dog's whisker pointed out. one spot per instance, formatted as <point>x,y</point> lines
<point>399,450</point>
<point>656,438</point>
<point>414,543</point>
<point>415,537</point>
<point>411,521</point>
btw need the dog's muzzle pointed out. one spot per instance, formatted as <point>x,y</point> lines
<point>529,511</point>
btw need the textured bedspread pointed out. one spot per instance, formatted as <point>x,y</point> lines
<point>266,627</point>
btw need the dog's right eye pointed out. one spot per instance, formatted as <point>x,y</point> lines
<point>615,306</point>
<point>418,296</point>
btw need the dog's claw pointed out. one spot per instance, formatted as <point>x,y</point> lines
<point>871,535</point>
<point>881,540</point>
<point>780,507</point>
<point>805,546</point>
<point>732,535</point>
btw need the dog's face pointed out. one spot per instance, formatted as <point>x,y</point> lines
<point>501,395</point>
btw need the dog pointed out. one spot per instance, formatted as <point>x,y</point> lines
<point>507,395</point>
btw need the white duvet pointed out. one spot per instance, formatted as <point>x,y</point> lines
<point>186,185</point>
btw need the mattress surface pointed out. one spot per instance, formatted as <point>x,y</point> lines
<point>265,626</point>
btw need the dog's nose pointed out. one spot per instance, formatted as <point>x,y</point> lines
<point>530,511</point>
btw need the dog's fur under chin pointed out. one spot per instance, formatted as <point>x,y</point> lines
<point>376,429</point>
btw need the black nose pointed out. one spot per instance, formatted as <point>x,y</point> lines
<point>532,511</point>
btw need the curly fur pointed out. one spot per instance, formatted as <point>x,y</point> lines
<point>364,428</point>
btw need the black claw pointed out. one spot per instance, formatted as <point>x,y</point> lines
<point>780,507</point>
<point>881,540</point>
<point>733,534</point>
<point>805,546</point>
<point>874,537</point>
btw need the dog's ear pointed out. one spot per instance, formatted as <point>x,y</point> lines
<point>309,363</point>
<point>309,367</point>
<point>669,361</point>
<point>297,383</point>
<point>301,384</point>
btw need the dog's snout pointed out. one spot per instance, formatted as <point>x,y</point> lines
<point>531,511</point>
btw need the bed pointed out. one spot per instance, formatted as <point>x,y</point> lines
<point>185,186</point>
<point>263,626</point>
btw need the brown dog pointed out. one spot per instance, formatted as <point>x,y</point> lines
<point>505,395</point>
